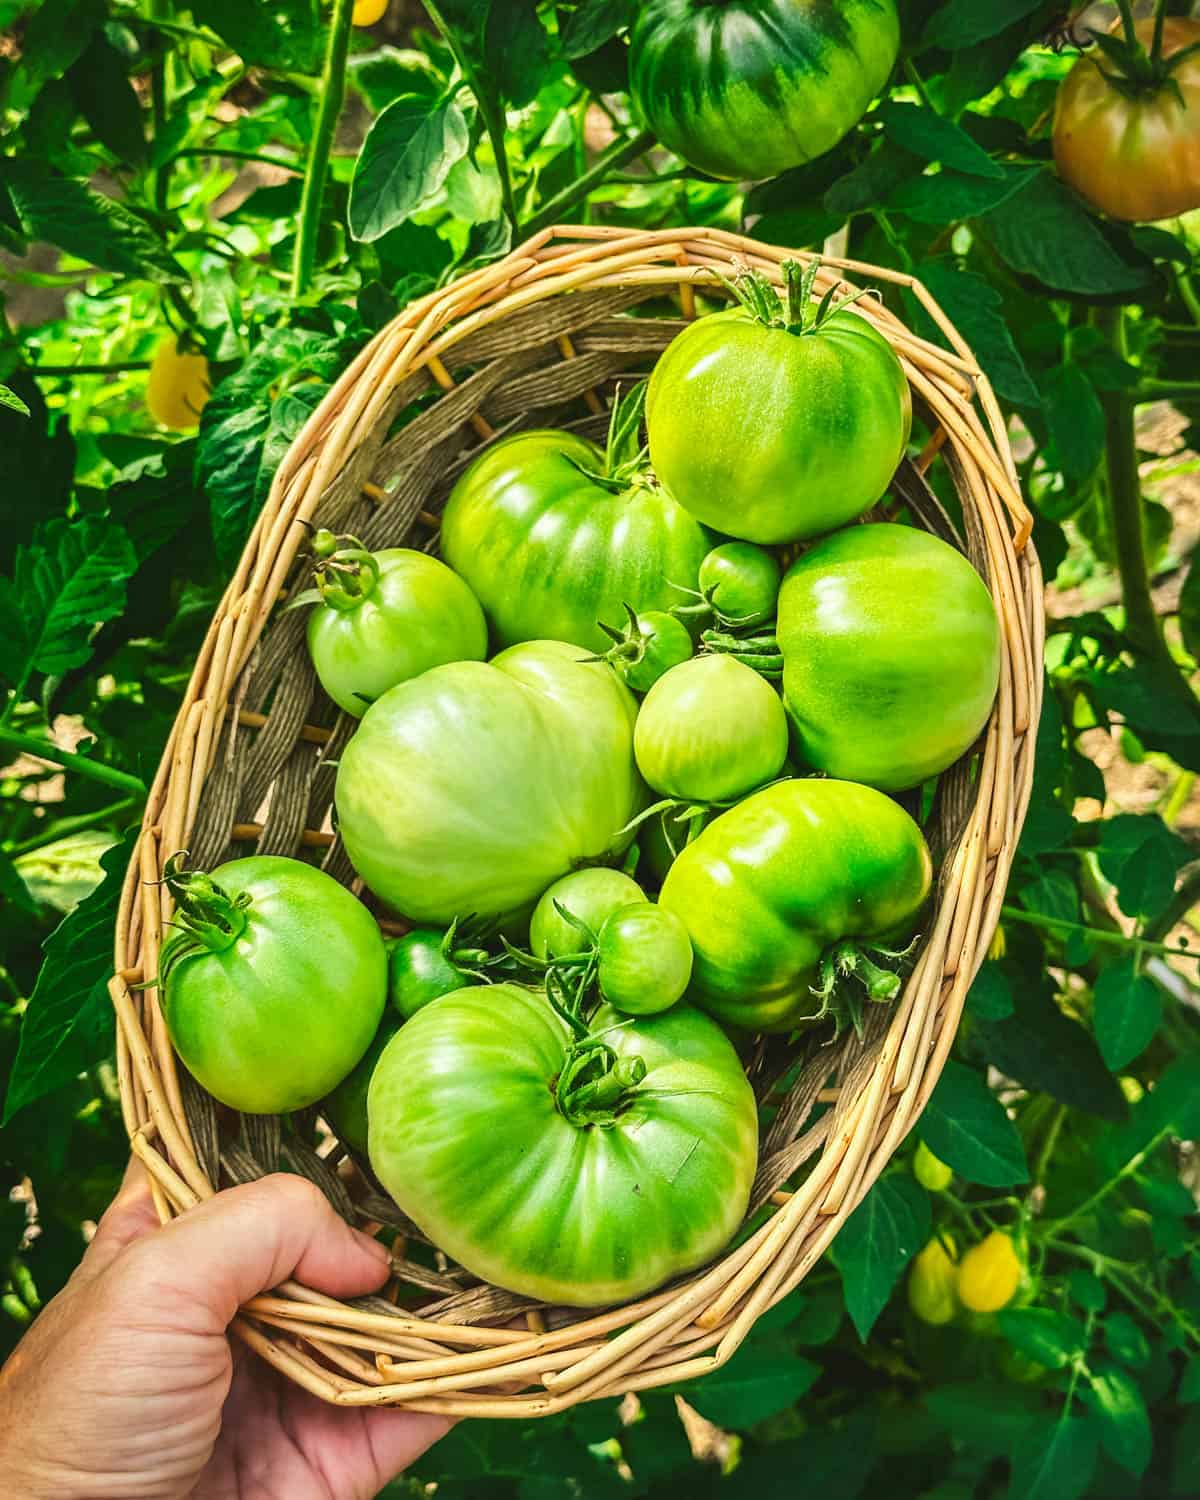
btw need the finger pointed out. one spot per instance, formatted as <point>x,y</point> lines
<point>248,1239</point>
<point>396,1438</point>
<point>129,1217</point>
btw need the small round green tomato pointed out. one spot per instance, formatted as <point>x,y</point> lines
<point>710,730</point>
<point>891,654</point>
<point>741,582</point>
<point>645,959</point>
<point>346,1107</point>
<point>664,642</point>
<point>591,896</point>
<point>772,435</point>
<point>415,614</point>
<point>274,983</point>
<point>419,970</point>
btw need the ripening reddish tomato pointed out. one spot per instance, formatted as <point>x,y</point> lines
<point>1127,134</point>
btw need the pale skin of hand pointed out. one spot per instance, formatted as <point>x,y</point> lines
<point>128,1386</point>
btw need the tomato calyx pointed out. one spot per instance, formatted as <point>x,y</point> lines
<point>207,918</point>
<point>760,651</point>
<point>847,973</point>
<point>345,574</point>
<point>595,1084</point>
<point>646,647</point>
<point>626,458</point>
<point>795,315</point>
<point>1136,72</point>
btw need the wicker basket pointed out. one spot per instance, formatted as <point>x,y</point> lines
<point>538,339</point>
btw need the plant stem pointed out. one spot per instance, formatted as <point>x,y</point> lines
<point>1049,1141</point>
<point>1142,624</point>
<point>61,828</point>
<point>69,760</point>
<point>1126,9</point>
<point>1097,934</point>
<point>1160,15</point>
<point>158,106</point>
<point>1056,1226</point>
<point>1168,390</point>
<point>213,149</point>
<point>910,72</point>
<point>329,108</point>
<point>618,155</point>
<point>117,368</point>
<point>1187,294</point>
<point>1179,905</point>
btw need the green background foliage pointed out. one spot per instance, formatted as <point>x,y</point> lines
<point>273,185</point>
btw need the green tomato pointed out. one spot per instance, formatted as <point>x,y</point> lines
<point>710,730</point>
<point>891,650</point>
<point>771,435</point>
<point>274,984</point>
<point>775,881</point>
<point>591,896</point>
<point>346,1107</point>
<point>753,88</point>
<point>473,787</point>
<point>645,959</point>
<point>557,1184</point>
<point>662,642</point>
<point>549,551</point>
<point>419,970</point>
<point>741,582</point>
<point>412,615</point>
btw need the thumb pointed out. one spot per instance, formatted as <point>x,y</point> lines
<point>247,1240</point>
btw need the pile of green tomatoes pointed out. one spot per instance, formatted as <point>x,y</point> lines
<point>633,782</point>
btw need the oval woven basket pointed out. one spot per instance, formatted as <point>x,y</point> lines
<point>539,339</point>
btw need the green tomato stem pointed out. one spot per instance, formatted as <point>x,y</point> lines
<point>205,913</point>
<point>329,108</point>
<point>70,760</point>
<point>1095,934</point>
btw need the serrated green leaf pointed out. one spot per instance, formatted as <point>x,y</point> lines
<point>1128,1009</point>
<point>947,197</point>
<point>68,1023</point>
<point>962,24</point>
<point>518,50</point>
<point>976,310</point>
<point>990,996</point>
<point>933,138</point>
<point>1141,856</point>
<point>1086,1290</point>
<point>592,23</point>
<point>987,1416</point>
<point>869,184</point>
<point>1045,1050</point>
<point>966,1126</point>
<point>384,75</point>
<point>106,99</point>
<point>269,33</point>
<point>100,231</point>
<point>1054,1461</point>
<point>1075,419</point>
<point>68,580</point>
<point>55,36</point>
<point>1052,894</point>
<point>753,1386</point>
<point>1122,1417</point>
<point>404,160</point>
<point>877,1241</point>
<point>1047,1337</point>
<point>1044,231</point>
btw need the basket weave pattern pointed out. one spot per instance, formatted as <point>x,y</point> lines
<point>538,339</point>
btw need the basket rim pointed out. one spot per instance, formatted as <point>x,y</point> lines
<point>694,1326</point>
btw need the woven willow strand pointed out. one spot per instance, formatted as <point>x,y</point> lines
<point>243,763</point>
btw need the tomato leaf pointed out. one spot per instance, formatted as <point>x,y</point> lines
<point>68,1023</point>
<point>755,1384</point>
<point>593,23</point>
<point>869,184</point>
<point>98,229</point>
<point>967,1127</point>
<point>69,579</point>
<point>1044,231</point>
<point>932,137</point>
<point>12,401</point>
<point>1124,1423</point>
<point>976,310</point>
<point>1141,856</point>
<point>987,1416</point>
<point>1053,1460</point>
<point>1075,419</point>
<point>961,24</point>
<point>55,36</point>
<point>1128,1009</point>
<point>1086,1290</point>
<point>518,50</point>
<point>877,1241</point>
<point>105,98</point>
<point>1040,1333</point>
<point>404,160</point>
<point>269,33</point>
<point>1052,894</point>
<point>946,197</point>
<point>990,996</point>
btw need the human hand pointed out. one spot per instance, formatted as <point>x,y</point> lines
<point>128,1386</point>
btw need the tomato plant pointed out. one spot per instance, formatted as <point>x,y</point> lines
<point>588,1129</point>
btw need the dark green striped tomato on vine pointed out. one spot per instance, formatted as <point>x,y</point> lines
<point>574,1165</point>
<point>644,959</point>
<point>470,789</point>
<point>796,900</point>
<point>569,916</point>
<point>555,535</point>
<point>1127,123</point>
<point>749,88</point>
<point>891,649</point>
<point>778,420</point>
<point>383,617</point>
<point>710,730</point>
<point>273,983</point>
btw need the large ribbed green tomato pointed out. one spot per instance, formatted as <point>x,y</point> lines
<point>749,88</point>
<point>585,1194</point>
<point>406,612</point>
<point>549,551</point>
<point>778,879</point>
<point>772,434</point>
<point>273,983</point>
<point>471,788</point>
<point>891,650</point>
